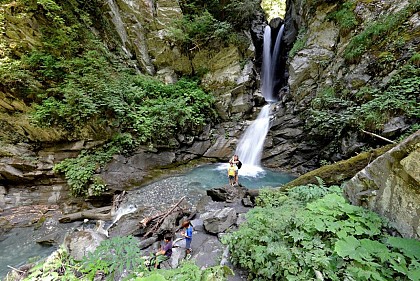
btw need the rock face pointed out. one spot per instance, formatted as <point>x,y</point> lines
<point>390,186</point>
<point>143,28</point>
<point>319,64</point>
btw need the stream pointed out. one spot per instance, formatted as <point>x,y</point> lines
<point>18,246</point>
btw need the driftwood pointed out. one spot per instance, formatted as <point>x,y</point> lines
<point>93,214</point>
<point>378,136</point>
<point>161,217</point>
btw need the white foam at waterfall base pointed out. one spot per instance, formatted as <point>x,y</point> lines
<point>246,170</point>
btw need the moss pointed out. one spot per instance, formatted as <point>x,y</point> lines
<point>40,222</point>
<point>341,171</point>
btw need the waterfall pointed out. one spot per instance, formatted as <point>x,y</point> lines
<point>266,73</point>
<point>251,144</point>
<point>270,59</point>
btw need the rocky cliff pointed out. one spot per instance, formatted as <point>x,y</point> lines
<point>324,103</point>
<point>345,74</point>
<point>390,186</point>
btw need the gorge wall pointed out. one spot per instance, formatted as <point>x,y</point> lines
<point>320,78</point>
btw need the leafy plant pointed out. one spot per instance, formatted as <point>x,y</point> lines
<point>118,258</point>
<point>188,271</point>
<point>113,257</point>
<point>196,31</point>
<point>60,266</point>
<point>333,112</point>
<point>313,228</point>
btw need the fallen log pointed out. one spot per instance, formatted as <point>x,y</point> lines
<point>93,214</point>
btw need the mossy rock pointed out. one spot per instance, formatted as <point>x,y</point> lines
<point>341,171</point>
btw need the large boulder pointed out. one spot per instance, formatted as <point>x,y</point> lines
<point>390,186</point>
<point>219,220</point>
<point>80,243</point>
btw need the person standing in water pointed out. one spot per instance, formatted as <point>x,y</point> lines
<point>232,169</point>
<point>238,164</point>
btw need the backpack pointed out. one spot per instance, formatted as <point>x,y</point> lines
<point>239,164</point>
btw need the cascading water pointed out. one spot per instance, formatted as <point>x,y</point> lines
<point>119,25</point>
<point>269,65</point>
<point>251,144</point>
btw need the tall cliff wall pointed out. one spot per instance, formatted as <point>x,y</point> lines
<point>350,64</point>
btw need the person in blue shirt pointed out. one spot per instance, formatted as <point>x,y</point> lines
<point>187,233</point>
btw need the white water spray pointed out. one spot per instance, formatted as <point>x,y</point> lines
<point>122,211</point>
<point>251,144</point>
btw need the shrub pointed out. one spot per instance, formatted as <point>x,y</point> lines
<point>198,31</point>
<point>345,17</point>
<point>113,257</point>
<point>370,108</point>
<point>313,229</point>
<point>118,257</point>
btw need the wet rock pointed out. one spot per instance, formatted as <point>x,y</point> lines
<point>246,201</point>
<point>207,250</point>
<point>123,171</point>
<point>394,126</point>
<point>143,244</point>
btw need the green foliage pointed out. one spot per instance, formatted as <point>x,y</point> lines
<point>236,13</point>
<point>415,59</point>
<point>188,271</point>
<point>61,267</point>
<point>116,256</point>
<point>377,31</point>
<point>73,80</point>
<point>299,43</point>
<point>113,257</point>
<point>313,228</point>
<point>79,172</point>
<point>90,89</point>
<point>197,31</point>
<point>370,108</point>
<point>344,16</point>
<point>241,13</point>
<point>212,24</point>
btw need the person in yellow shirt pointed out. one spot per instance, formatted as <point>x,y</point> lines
<point>232,170</point>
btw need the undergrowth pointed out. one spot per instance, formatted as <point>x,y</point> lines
<point>312,231</point>
<point>334,111</point>
<point>118,258</point>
